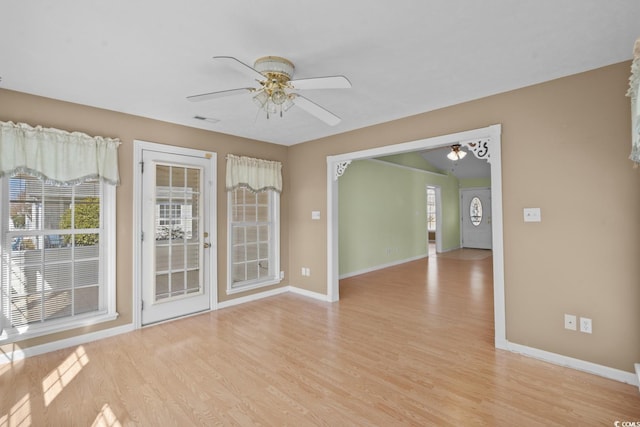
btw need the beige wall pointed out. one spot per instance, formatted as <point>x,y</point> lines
<point>19,107</point>
<point>565,145</point>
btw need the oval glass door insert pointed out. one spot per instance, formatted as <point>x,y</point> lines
<point>475,211</point>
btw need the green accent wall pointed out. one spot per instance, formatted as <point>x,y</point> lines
<point>382,214</point>
<point>412,160</point>
<point>475,183</point>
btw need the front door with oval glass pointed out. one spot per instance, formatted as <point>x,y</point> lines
<point>475,208</point>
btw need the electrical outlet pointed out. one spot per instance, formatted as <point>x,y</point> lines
<point>585,325</point>
<point>570,322</point>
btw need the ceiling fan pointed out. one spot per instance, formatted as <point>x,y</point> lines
<point>274,91</point>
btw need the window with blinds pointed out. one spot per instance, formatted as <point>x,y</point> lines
<point>54,262</point>
<point>253,231</point>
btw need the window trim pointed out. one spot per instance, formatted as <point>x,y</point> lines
<point>433,205</point>
<point>108,273</point>
<point>275,262</point>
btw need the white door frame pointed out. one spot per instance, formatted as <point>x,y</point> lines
<point>438,191</point>
<point>138,148</point>
<point>336,166</point>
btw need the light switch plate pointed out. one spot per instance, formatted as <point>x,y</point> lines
<point>532,215</point>
<point>315,214</point>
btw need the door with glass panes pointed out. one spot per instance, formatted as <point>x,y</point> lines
<point>177,254</point>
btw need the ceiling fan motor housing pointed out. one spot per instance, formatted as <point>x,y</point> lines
<point>275,67</point>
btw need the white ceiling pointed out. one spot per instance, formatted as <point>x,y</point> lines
<point>403,57</point>
<point>467,168</point>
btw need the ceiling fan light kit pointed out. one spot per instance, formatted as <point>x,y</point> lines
<point>274,102</point>
<point>275,92</point>
<point>273,97</point>
<point>456,153</point>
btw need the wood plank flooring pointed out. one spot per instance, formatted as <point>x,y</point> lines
<point>408,345</point>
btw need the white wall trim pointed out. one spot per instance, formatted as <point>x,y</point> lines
<point>253,297</point>
<point>381,266</point>
<point>19,354</point>
<point>309,294</point>
<point>570,362</point>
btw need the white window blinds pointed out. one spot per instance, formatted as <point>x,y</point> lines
<point>57,157</point>
<point>54,262</point>
<point>254,174</point>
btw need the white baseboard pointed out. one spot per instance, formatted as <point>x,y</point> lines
<point>455,248</point>
<point>19,354</point>
<point>309,294</point>
<point>253,297</point>
<point>557,359</point>
<point>570,362</point>
<point>381,266</point>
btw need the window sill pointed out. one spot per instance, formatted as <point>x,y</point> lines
<point>250,286</point>
<point>22,333</point>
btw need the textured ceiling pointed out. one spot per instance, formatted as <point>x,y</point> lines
<point>403,57</point>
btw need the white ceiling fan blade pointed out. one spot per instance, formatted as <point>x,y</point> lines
<point>315,110</point>
<point>239,66</point>
<point>330,82</point>
<point>218,94</point>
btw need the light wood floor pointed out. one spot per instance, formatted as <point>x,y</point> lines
<point>409,345</point>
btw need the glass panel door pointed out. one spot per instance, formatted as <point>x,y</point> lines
<point>177,238</point>
<point>176,251</point>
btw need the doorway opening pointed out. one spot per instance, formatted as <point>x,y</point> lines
<point>483,143</point>
<point>174,233</point>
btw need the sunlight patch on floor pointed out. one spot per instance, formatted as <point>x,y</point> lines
<point>106,418</point>
<point>60,377</point>
<point>19,415</point>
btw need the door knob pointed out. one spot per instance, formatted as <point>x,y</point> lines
<point>207,245</point>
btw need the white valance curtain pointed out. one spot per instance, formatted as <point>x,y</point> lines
<point>634,83</point>
<point>255,174</point>
<point>57,156</point>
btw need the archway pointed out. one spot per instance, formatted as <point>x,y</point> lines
<point>484,143</point>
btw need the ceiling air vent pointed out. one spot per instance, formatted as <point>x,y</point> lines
<point>206,119</point>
